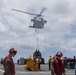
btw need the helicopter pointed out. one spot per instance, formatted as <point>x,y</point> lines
<point>38,21</point>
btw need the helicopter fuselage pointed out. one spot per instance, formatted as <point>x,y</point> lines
<point>38,22</point>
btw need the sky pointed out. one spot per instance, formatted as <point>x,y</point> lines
<point>58,34</point>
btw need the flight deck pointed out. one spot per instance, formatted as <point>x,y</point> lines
<point>44,70</point>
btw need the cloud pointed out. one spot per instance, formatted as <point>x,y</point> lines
<point>58,33</point>
<point>2,28</point>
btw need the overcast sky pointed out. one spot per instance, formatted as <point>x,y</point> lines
<point>58,34</point>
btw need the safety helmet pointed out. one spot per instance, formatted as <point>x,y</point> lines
<point>12,50</point>
<point>29,57</point>
<point>59,54</point>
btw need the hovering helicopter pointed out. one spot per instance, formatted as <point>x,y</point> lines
<point>38,21</point>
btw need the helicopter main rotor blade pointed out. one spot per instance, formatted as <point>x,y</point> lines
<point>43,9</point>
<point>24,12</point>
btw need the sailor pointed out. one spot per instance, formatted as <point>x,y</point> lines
<point>49,62</point>
<point>57,66</point>
<point>39,63</point>
<point>9,67</point>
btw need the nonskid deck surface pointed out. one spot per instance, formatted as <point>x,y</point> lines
<point>44,70</point>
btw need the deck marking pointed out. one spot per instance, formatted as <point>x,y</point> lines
<point>1,70</point>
